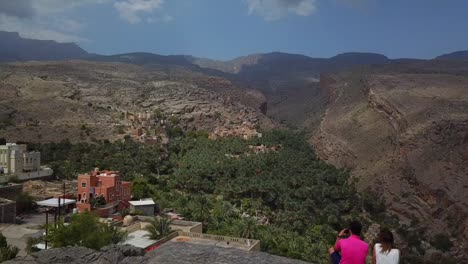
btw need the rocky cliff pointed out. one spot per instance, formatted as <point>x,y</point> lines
<point>78,100</point>
<point>176,253</point>
<point>404,134</point>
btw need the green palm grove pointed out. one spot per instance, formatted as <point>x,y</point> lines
<point>289,199</point>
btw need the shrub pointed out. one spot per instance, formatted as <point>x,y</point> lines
<point>30,244</point>
<point>7,252</point>
<point>86,230</point>
<point>14,179</point>
<point>174,120</point>
<point>442,242</point>
<point>25,203</point>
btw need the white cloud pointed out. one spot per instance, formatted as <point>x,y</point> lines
<point>43,19</point>
<point>34,28</point>
<point>276,9</point>
<point>69,25</point>
<point>16,8</point>
<point>45,7</point>
<point>132,10</point>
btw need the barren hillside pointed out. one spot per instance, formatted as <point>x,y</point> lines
<point>403,131</point>
<point>51,101</point>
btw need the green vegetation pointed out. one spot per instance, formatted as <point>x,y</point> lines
<point>174,120</point>
<point>97,201</point>
<point>442,242</point>
<point>141,189</point>
<point>6,122</point>
<point>129,157</point>
<point>86,230</point>
<point>24,203</point>
<point>158,113</point>
<point>31,243</point>
<point>290,200</point>
<point>159,228</point>
<point>7,252</point>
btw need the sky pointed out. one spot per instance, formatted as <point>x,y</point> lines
<point>225,29</point>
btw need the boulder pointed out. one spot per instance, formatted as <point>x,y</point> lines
<point>128,220</point>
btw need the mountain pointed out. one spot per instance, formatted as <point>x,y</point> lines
<point>85,100</point>
<point>15,48</point>
<point>458,55</point>
<point>144,58</point>
<point>291,81</point>
<point>400,126</point>
<point>402,130</point>
<point>359,58</point>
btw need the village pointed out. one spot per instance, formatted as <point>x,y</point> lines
<point>25,223</point>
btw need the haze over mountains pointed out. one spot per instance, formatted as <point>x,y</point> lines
<point>400,125</point>
<point>13,47</point>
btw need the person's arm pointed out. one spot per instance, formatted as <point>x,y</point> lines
<point>398,257</point>
<point>337,242</point>
<point>374,258</point>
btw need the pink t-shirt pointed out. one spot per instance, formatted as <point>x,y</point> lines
<point>353,250</point>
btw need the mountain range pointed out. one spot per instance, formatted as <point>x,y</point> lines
<point>399,125</point>
<point>13,48</point>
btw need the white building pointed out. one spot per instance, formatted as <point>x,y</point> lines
<point>16,160</point>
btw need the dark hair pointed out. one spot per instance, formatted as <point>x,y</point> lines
<point>355,227</point>
<point>386,240</point>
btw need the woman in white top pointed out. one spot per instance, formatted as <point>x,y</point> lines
<point>384,252</point>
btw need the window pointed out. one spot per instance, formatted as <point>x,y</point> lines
<point>83,184</point>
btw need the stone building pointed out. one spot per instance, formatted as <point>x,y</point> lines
<point>145,206</point>
<point>16,160</point>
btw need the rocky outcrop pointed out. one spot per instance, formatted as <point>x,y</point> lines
<point>404,135</point>
<point>75,255</point>
<point>83,101</point>
<point>176,253</point>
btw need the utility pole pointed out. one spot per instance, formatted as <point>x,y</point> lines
<point>58,208</point>
<point>64,197</point>
<point>59,199</point>
<point>47,226</point>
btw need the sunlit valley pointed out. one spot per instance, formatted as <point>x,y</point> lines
<point>117,157</point>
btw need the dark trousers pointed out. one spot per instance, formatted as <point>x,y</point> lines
<point>335,257</point>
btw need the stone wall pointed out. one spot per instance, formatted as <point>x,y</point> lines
<point>10,191</point>
<point>7,211</point>
<point>147,210</point>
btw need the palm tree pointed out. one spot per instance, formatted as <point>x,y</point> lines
<point>159,228</point>
<point>201,209</point>
<point>247,227</point>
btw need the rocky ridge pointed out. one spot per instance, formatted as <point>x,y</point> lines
<point>77,100</point>
<point>404,135</point>
<point>177,253</point>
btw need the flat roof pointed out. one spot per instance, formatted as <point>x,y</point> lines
<point>208,242</point>
<point>142,202</point>
<point>139,239</point>
<point>54,202</point>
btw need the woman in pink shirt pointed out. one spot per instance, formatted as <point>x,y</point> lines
<point>349,249</point>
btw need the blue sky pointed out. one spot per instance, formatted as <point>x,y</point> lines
<point>224,29</point>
